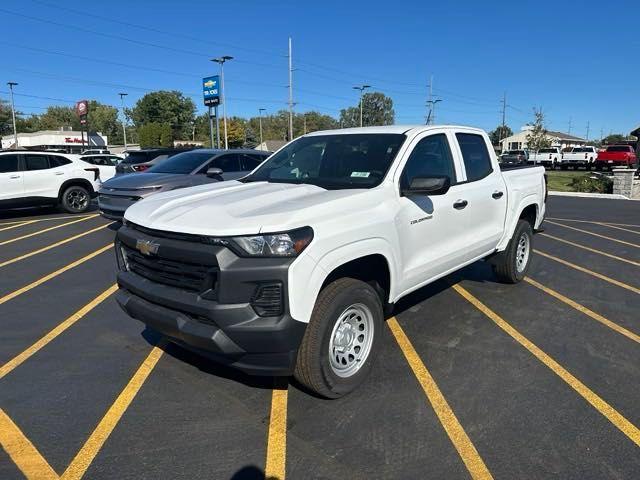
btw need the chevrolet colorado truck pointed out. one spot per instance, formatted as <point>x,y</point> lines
<point>291,269</point>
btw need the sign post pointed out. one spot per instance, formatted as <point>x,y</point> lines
<point>82,110</point>
<point>211,94</point>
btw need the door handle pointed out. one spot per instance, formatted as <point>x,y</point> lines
<point>497,195</point>
<point>59,173</point>
<point>14,176</point>
<point>460,204</point>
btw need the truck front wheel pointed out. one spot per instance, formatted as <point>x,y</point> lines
<point>342,338</point>
<point>511,266</point>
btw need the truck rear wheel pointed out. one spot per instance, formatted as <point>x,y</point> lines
<point>341,341</point>
<point>511,266</point>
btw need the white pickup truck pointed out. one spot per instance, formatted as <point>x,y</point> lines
<point>548,157</point>
<point>290,270</point>
<point>579,157</point>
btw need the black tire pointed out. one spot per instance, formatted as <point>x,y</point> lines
<point>314,366</point>
<point>75,199</point>
<point>510,266</point>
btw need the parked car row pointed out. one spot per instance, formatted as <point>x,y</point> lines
<point>587,157</point>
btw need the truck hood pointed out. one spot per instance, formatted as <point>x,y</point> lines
<point>236,208</point>
<point>135,181</point>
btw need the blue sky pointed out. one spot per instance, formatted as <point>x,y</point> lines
<point>576,60</point>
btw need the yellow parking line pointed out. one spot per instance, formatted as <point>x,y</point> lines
<point>461,441</point>
<point>277,440</point>
<point>53,245</point>
<point>51,275</point>
<point>45,219</point>
<point>610,413</point>
<point>618,228</point>
<point>39,232</point>
<point>610,280</point>
<point>584,247</point>
<point>17,225</point>
<point>33,349</point>
<point>80,463</point>
<point>581,308</point>
<point>22,452</point>
<point>591,233</point>
<point>593,221</point>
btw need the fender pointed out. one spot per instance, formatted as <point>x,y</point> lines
<point>511,226</point>
<point>306,275</point>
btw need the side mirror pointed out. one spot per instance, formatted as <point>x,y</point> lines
<point>436,185</point>
<point>214,172</point>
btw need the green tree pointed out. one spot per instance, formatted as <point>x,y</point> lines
<point>155,134</point>
<point>166,107</point>
<point>236,132</point>
<point>499,134</point>
<point>104,119</point>
<point>537,137</point>
<point>377,109</point>
<point>614,138</point>
<point>6,126</point>
<point>57,116</point>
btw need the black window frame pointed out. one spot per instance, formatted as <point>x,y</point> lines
<point>20,163</point>
<point>491,169</point>
<point>453,179</point>
<point>59,159</point>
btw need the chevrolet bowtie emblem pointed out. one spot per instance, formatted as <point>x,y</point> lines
<point>147,247</point>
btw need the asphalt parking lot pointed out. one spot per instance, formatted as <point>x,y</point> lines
<point>476,379</point>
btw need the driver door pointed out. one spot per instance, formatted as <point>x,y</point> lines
<point>429,235</point>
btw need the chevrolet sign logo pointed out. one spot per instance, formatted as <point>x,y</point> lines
<point>209,83</point>
<point>147,247</point>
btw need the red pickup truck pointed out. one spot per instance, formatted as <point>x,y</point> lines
<point>616,156</point>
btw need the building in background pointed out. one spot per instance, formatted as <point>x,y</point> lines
<point>271,145</point>
<point>68,141</point>
<point>518,141</point>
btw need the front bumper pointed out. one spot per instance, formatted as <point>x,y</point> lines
<point>113,206</point>
<point>221,321</point>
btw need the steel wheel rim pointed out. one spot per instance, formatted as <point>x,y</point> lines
<point>77,199</point>
<point>351,340</point>
<point>522,252</point>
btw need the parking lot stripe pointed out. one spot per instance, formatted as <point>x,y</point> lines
<point>593,221</point>
<point>610,413</point>
<point>590,233</point>
<point>612,281</point>
<point>39,232</point>
<point>619,228</point>
<point>51,275</point>
<point>22,452</point>
<point>33,349</point>
<point>581,308</point>
<point>80,463</point>
<point>275,466</point>
<point>53,245</point>
<point>461,441</point>
<point>17,225</point>
<point>584,247</point>
<point>47,219</point>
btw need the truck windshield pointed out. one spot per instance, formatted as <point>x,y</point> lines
<point>547,150</point>
<point>332,161</point>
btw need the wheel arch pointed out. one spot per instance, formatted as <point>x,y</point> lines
<point>75,182</point>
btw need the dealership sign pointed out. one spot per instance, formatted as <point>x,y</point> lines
<point>211,90</point>
<point>82,109</point>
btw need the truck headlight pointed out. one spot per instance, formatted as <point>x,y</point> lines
<point>286,244</point>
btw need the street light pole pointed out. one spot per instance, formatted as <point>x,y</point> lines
<point>260,110</point>
<point>124,121</point>
<point>362,88</point>
<point>220,61</point>
<point>13,115</point>
<point>432,110</point>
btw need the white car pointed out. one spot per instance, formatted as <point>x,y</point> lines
<point>106,163</point>
<point>44,178</point>
<point>579,157</point>
<point>291,268</point>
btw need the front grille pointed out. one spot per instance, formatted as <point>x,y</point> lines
<point>175,273</point>
<point>267,300</point>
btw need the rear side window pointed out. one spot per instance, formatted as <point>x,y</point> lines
<point>36,162</point>
<point>430,157</point>
<point>9,163</point>
<point>228,163</point>
<point>477,161</point>
<point>56,161</point>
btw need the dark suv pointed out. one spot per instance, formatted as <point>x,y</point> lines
<point>141,160</point>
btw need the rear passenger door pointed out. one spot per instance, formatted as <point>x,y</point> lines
<point>11,177</point>
<point>483,193</point>
<point>43,174</point>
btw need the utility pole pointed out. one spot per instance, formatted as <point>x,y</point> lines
<point>569,132</point>
<point>304,122</point>
<point>124,121</point>
<point>362,88</point>
<point>432,104</point>
<point>587,130</point>
<point>601,134</point>
<point>260,110</point>
<point>220,61</point>
<point>13,115</point>
<point>290,93</point>
<point>504,117</point>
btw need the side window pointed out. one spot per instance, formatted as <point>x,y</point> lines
<point>430,157</point>
<point>249,161</point>
<point>477,161</point>
<point>229,162</point>
<point>57,161</point>
<point>9,163</point>
<point>36,162</point>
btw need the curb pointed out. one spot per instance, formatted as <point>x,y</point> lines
<point>607,196</point>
